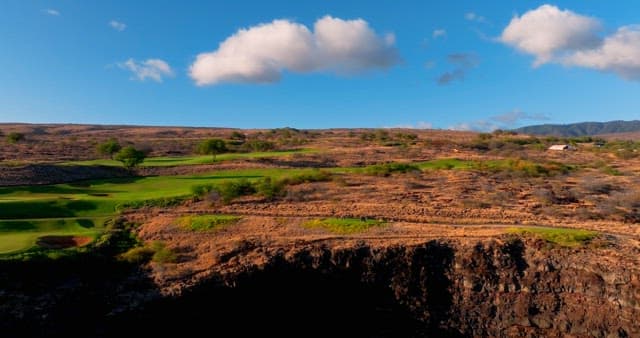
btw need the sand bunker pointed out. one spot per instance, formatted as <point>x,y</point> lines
<point>63,242</point>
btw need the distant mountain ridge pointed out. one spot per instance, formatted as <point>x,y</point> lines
<point>582,128</point>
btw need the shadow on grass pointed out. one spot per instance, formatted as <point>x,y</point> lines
<point>44,209</point>
<point>10,226</point>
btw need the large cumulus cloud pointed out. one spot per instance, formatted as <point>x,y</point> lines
<point>261,53</point>
<point>560,36</point>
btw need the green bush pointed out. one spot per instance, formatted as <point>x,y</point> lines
<point>270,188</point>
<point>315,175</point>
<point>14,137</point>
<point>233,189</point>
<point>137,255</point>
<point>156,202</point>
<point>162,254</point>
<point>201,190</point>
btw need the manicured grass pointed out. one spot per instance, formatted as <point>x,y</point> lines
<point>343,225</point>
<point>207,222</point>
<point>561,236</point>
<point>103,197</point>
<point>18,235</point>
<point>192,160</point>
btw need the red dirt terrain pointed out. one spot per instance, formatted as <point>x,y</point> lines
<point>446,262</point>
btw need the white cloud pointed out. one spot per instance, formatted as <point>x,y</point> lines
<point>439,33</point>
<point>564,37</point>
<point>51,11</point>
<point>547,31</point>
<point>117,25</point>
<point>619,53</point>
<point>260,54</point>
<point>153,69</point>
<point>471,16</point>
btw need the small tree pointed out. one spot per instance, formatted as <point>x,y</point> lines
<point>130,157</point>
<point>109,148</point>
<point>15,137</point>
<point>212,147</point>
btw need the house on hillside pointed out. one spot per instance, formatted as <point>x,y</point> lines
<point>560,147</point>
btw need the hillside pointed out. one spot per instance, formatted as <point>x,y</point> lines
<point>582,128</point>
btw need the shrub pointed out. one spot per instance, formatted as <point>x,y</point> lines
<point>269,188</point>
<point>315,175</point>
<point>14,137</point>
<point>162,254</point>
<point>233,189</point>
<point>137,255</point>
<point>201,190</point>
<point>163,202</point>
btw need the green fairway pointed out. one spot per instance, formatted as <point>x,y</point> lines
<point>192,160</point>
<point>29,212</point>
<point>18,235</point>
<point>102,197</point>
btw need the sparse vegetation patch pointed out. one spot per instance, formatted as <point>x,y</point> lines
<point>344,225</point>
<point>561,236</point>
<point>207,222</point>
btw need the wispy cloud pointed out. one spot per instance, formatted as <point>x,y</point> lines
<point>517,115</point>
<point>472,16</point>
<point>154,69</point>
<point>463,62</point>
<point>260,54</point>
<point>51,11</point>
<point>439,33</point>
<point>479,125</point>
<point>419,125</point>
<point>117,25</point>
<point>508,120</point>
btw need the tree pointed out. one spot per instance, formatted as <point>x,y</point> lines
<point>109,148</point>
<point>15,137</point>
<point>212,147</point>
<point>130,157</point>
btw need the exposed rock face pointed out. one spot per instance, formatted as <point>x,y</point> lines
<point>501,288</point>
<point>491,288</point>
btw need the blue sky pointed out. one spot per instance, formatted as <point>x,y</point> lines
<point>459,64</point>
